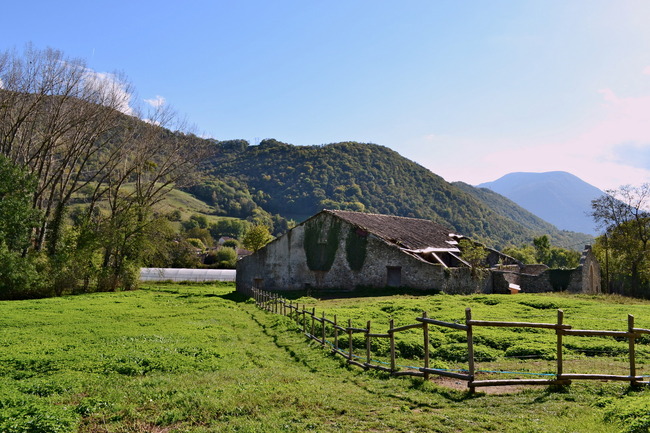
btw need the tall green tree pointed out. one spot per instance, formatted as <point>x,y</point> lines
<point>19,271</point>
<point>542,249</point>
<point>624,216</point>
<point>17,216</point>
<point>256,237</point>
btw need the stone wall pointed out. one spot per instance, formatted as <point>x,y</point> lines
<point>583,279</point>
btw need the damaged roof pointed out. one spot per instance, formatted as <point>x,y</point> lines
<point>408,233</point>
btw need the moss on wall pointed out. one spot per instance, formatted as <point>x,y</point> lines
<point>320,255</point>
<point>355,248</point>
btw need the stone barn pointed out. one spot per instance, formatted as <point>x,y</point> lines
<point>343,250</point>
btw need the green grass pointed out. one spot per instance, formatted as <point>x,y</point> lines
<point>523,350</point>
<point>201,359</point>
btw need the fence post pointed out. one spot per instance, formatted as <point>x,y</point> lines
<point>630,329</point>
<point>560,332</point>
<point>470,347</point>
<point>313,319</point>
<point>425,336</point>
<point>368,342</point>
<point>350,339</point>
<point>392,346</point>
<point>304,320</point>
<point>323,330</point>
<point>336,334</point>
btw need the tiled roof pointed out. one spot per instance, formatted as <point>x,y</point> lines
<point>409,233</point>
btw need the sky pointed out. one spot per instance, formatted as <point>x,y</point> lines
<point>472,90</point>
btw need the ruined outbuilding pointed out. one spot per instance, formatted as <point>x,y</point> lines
<point>343,250</point>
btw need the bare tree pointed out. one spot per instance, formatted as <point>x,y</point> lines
<point>56,117</point>
<point>83,138</point>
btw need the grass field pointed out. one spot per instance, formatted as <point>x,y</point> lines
<point>201,359</point>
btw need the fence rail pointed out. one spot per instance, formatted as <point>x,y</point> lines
<point>307,320</point>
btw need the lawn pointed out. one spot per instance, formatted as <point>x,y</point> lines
<point>201,359</point>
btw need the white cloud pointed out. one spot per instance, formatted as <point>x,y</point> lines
<point>646,70</point>
<point>156,102</point>
<point>114,91</point>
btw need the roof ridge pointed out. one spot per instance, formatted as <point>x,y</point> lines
<point>335,211</point>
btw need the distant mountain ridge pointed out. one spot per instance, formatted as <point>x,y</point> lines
<point>299,181</point>
<point>558,197</point>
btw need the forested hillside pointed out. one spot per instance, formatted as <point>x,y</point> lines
<point>298,181</point>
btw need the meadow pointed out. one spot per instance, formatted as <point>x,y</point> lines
<point>199,358</point>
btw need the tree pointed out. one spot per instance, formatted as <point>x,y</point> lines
<point>19,273</point>
<point>229,227</point>
<point>81,137</point>
<point>17,217</point>
<point>226,258</point>
<point>256,237</point>
<point>542,249</point>
<point>624,217</point>
<point>543,252</point>
<point>525,254</point>
<point>474,254</point>
<point>57,118</point>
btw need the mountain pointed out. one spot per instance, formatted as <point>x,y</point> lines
<point>298,181</point>
<point>558,197</point>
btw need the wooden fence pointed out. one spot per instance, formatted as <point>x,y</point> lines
<point>307,320</point>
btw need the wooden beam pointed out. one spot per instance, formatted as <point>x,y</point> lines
<point>445,373</point>
<point>441,323</point>
<point>405,327</point>
<point>517,324</point>
<point>508,382</point>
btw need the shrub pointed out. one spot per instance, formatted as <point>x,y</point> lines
<point>39,419</point>
<point>226,258</point>
<point>540,304</point>
<point>457,352</point>
<point>632,412</point>
<point>530,350</point>
<point>20,277</point>
<point>231,243</point>
<point>597,346</point>
<point>196,242</point>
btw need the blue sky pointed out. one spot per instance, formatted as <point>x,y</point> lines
<point>472,90</point>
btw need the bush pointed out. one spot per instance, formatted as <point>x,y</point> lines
<point>457,352</point>
<point>632,412</point>
<point>20,277</point>
<point>541,304</point>
<point>226,258</point>
<point>597,346</point>
<point>197,243</point>
<point>531,350</point>
<point>231,243</point>
<point>38,419</point>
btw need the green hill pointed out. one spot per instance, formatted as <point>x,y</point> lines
<point>298,181</point>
